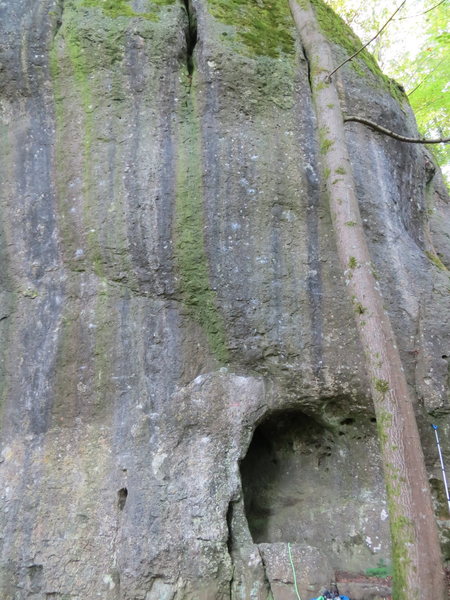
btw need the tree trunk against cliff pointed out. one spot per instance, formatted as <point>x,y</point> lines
<point>416,557</point>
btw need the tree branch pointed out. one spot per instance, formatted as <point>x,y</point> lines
<point>369,42</point>
<point>428,104</point>
<point>422,13</point>
<point>425,78</point>
<point>394,135</point>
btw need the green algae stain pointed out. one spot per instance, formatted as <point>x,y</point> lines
<point>105,332</point>
<point>265,27</point>
<point>8,300</point>
<point>66,405</point>
<point>436,260</point>
<point>81,75</point>
<point>68,232</point>
<point>75,73</point>
<point>80,69</point>
<point>190,253</point>
<point>90,393</point>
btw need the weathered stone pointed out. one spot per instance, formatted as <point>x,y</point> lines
<point>310,565</point>
<point>169,283</point>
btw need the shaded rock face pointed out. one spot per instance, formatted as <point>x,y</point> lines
<point>169,287</point>
<point>308,485</point>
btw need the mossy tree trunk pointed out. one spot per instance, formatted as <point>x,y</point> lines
<point>416,558</point>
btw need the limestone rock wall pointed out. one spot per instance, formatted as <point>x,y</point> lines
<point>169,282</point>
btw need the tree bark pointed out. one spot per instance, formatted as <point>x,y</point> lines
<point>416,557</point>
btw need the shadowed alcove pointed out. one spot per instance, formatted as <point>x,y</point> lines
<point>321,486</point>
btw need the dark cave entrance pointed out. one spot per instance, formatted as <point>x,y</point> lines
<point>319,486</point>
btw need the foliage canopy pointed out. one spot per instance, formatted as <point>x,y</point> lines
<point>415,50</point>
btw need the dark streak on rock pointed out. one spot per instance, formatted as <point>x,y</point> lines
<point>314,279</point>
<point>122,495</point>
<point>191,36</point>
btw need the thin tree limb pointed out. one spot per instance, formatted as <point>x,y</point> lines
<point>418,65</point>
<point>428,104</point>
<point>425,78</point>
<point>369,42</point>
<point>394,135</point>
<point>422,13</point>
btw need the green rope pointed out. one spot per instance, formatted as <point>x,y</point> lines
<point>293,572</point>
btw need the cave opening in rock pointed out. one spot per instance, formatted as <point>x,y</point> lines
<point>316,485</point>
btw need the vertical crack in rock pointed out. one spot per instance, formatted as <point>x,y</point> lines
<point>308,66</point>
<point>191,258</point>
<point>230,533</point>
<point>314,279</point>
<point>315,276</point>
<point>266,578</point>
<point>191,36</point>
<point>229,518</point>
<point>114,574</point>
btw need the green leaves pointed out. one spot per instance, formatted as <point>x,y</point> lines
<point>414,50</point>
<point>429,82</point>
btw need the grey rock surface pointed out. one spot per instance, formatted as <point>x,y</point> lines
<point>169,285</point>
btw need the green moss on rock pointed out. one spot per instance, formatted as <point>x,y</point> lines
<point>86,48</point>
<point>436,260</point>
<point>190,254</point>
<point>122,8</point>
<point>264,26</point>
<point>352,262</point>
<point>337,31</point>
<point>78,65</point>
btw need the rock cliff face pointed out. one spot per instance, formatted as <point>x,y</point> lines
<point>182,389</point>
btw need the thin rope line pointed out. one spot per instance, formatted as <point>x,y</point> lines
<point>369,42</point>
<point>420,14</point>
<point>293,572</point>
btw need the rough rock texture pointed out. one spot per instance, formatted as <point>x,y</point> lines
<point>169,285</point>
